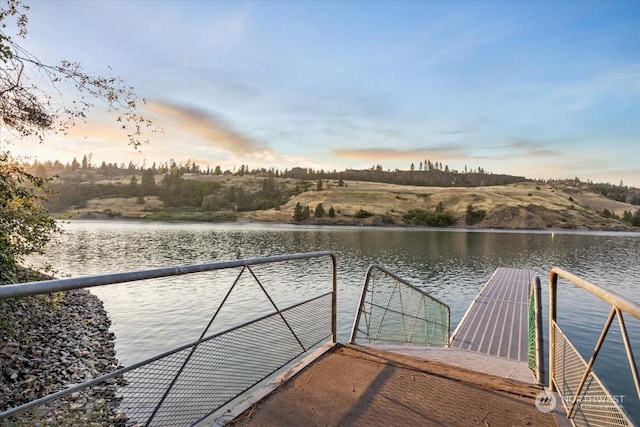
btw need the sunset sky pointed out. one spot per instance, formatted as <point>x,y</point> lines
<point>540,89</point>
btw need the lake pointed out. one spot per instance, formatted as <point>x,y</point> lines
<point>452,265</point>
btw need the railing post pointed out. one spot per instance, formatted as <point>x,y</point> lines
<point>627,346</point>
<point>363,295</point>
<point>553,288</point>
<point>537,289</point>
<point>334,299</point>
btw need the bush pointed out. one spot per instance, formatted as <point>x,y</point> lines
<point>474,216</point>
<point>363,214</point>
<point>429,219</point>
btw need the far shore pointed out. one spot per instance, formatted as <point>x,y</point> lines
<point>116,219</point>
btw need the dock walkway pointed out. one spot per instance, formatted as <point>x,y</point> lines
<point>496,323</point>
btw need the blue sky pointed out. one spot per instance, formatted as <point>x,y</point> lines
<point>540,89</point>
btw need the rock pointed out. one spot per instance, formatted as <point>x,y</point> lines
<point>48,346</point>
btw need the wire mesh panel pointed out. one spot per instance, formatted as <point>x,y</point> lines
<point>187,384</point>
<point>531,339</point>
<point>393,311</point>
<point>92,406</point>
<point>594,406</point>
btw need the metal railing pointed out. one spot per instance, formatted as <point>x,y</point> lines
<point>393,311</point>
<point>186,385</point>
<point>571,376</point>
<point>535,351</point>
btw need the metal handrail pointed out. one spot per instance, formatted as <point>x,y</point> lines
<point>619,305</point>
<point>367,279</point>
<point>34,288</point>
<point>47,286</point>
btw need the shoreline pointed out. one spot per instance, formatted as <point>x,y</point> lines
<point>115,219</point>
<point>50,342</point>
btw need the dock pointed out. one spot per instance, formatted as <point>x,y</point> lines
<point>481,378</point>
<point>496,322</point>
<point>401,365</point>
<point>354,385</point>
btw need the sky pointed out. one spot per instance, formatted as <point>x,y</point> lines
<point>535,89</point>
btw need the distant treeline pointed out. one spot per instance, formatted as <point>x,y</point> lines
<point>427,174</point>
<point>175,191</point>
<point>79,181</point>
<point>621,193</point>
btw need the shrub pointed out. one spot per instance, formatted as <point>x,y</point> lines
<point>429,219</point>
<point>474,216</point>
<point>363,214</point>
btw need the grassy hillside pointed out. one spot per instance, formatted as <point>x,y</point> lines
<point>517,206</point>
<point>566,205</point>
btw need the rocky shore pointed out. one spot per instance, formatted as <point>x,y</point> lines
<point>49,343</point>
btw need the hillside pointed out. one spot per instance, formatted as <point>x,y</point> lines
<point>514,206</point>
<point>525,205</point>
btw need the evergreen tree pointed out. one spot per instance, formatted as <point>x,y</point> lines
<point>148,181</point>
<point>298,213</point>
<point>319,211</point>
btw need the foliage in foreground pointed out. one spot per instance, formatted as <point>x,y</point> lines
<point>25,225</point>
<point>31,106</point>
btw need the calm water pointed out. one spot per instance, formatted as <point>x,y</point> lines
<point>453,265</point>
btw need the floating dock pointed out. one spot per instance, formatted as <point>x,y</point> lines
<point>496,323</point>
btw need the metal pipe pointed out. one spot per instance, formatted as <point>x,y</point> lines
<point>48,286</point>
<point>334,297</point>
<point>553,288</point>
<point>627,346</point>
<point>363,294</point>
<point>624,304</point>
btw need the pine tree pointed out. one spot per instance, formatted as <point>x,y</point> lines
<point>298,213</point>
